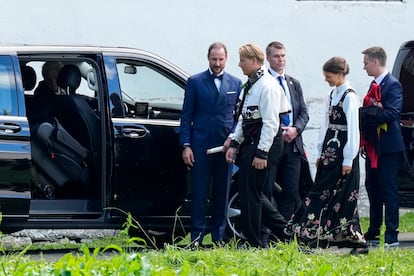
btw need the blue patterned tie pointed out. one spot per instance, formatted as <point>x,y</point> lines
<point>285,117</point>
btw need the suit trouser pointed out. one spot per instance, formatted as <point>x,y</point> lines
<point>209,171</point>
<point>288,174</point>
<point>254,205</point>
<point>382,189</point>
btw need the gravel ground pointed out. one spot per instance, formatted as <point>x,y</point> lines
<point>28,237</point>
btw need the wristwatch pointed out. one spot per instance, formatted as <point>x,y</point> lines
<point>185,145</point>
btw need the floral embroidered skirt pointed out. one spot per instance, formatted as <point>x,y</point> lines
<point>328,214</point>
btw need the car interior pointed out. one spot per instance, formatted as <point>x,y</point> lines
<point>65,130</point>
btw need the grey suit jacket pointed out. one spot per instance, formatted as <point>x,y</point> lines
<point>299,109</point>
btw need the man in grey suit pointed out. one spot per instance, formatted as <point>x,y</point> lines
<point>293,124</point>
<point>207,119</point>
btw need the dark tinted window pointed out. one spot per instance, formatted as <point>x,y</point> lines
<point>8,102</point>
<point>407,80</point>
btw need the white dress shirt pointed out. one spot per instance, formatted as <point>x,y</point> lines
<point>286,90</point>
<point>350,106</point>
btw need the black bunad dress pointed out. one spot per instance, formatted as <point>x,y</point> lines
<point>328,215</point>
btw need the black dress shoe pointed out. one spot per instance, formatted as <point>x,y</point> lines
<point>372,240</point>
<point>359,250</point>
<point>371,237</point>
<point>373,243</point>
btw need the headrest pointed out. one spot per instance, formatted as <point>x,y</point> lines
<point>28,77</point>
<point>69,77</point>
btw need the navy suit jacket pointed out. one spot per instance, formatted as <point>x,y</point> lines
<point>299,109</point>
<point>391,99</point>
<point>207,115</point>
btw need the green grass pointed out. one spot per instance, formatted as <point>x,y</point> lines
<point>280,259</point>
<point>406,223</point>
<point>126,258</point>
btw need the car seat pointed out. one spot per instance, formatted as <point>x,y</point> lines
<point>73,111</point>
<point>77,117</point>
<point>59,160</point>
<point>28,82</point>
<point>28,77</point>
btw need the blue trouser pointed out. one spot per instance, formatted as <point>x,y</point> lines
<point>209,171</point>
<point>382,189</point>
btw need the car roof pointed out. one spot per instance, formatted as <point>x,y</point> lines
<point>26,49</point>
<point>408,44</point>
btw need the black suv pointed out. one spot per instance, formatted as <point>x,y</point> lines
<point>110,146</point>
<point>404,71</point>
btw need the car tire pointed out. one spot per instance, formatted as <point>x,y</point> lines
<point>233,219</point>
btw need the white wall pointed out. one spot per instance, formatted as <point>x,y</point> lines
<point>181,31</point>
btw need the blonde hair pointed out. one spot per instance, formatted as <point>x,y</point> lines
<point>251,51</point>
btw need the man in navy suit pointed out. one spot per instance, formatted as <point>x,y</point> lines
<point>207,119</point>
<point>381,182</point>
<point>289,163</point>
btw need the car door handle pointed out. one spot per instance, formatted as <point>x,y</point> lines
<point>10,128</point>
<point>132,132</point>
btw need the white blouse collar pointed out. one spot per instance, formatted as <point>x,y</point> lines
<point>339,90</point>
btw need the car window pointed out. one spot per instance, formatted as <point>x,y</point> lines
<point>408,63</point>
<point>143,83</point>
<point>83,66</point>
<point>8,101</point>
<point>406,77</point>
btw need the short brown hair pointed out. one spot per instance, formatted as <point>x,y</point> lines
<point>217,45</point>
<point>252,51</point>
<point>274,45</point>
<point>378,53</point>
<point>336,65</point>
<point>51,66</point>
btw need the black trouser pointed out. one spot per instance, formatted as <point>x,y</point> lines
<point>254,205</point>
<point>288,175</point>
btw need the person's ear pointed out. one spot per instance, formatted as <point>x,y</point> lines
<point>255,61</point>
